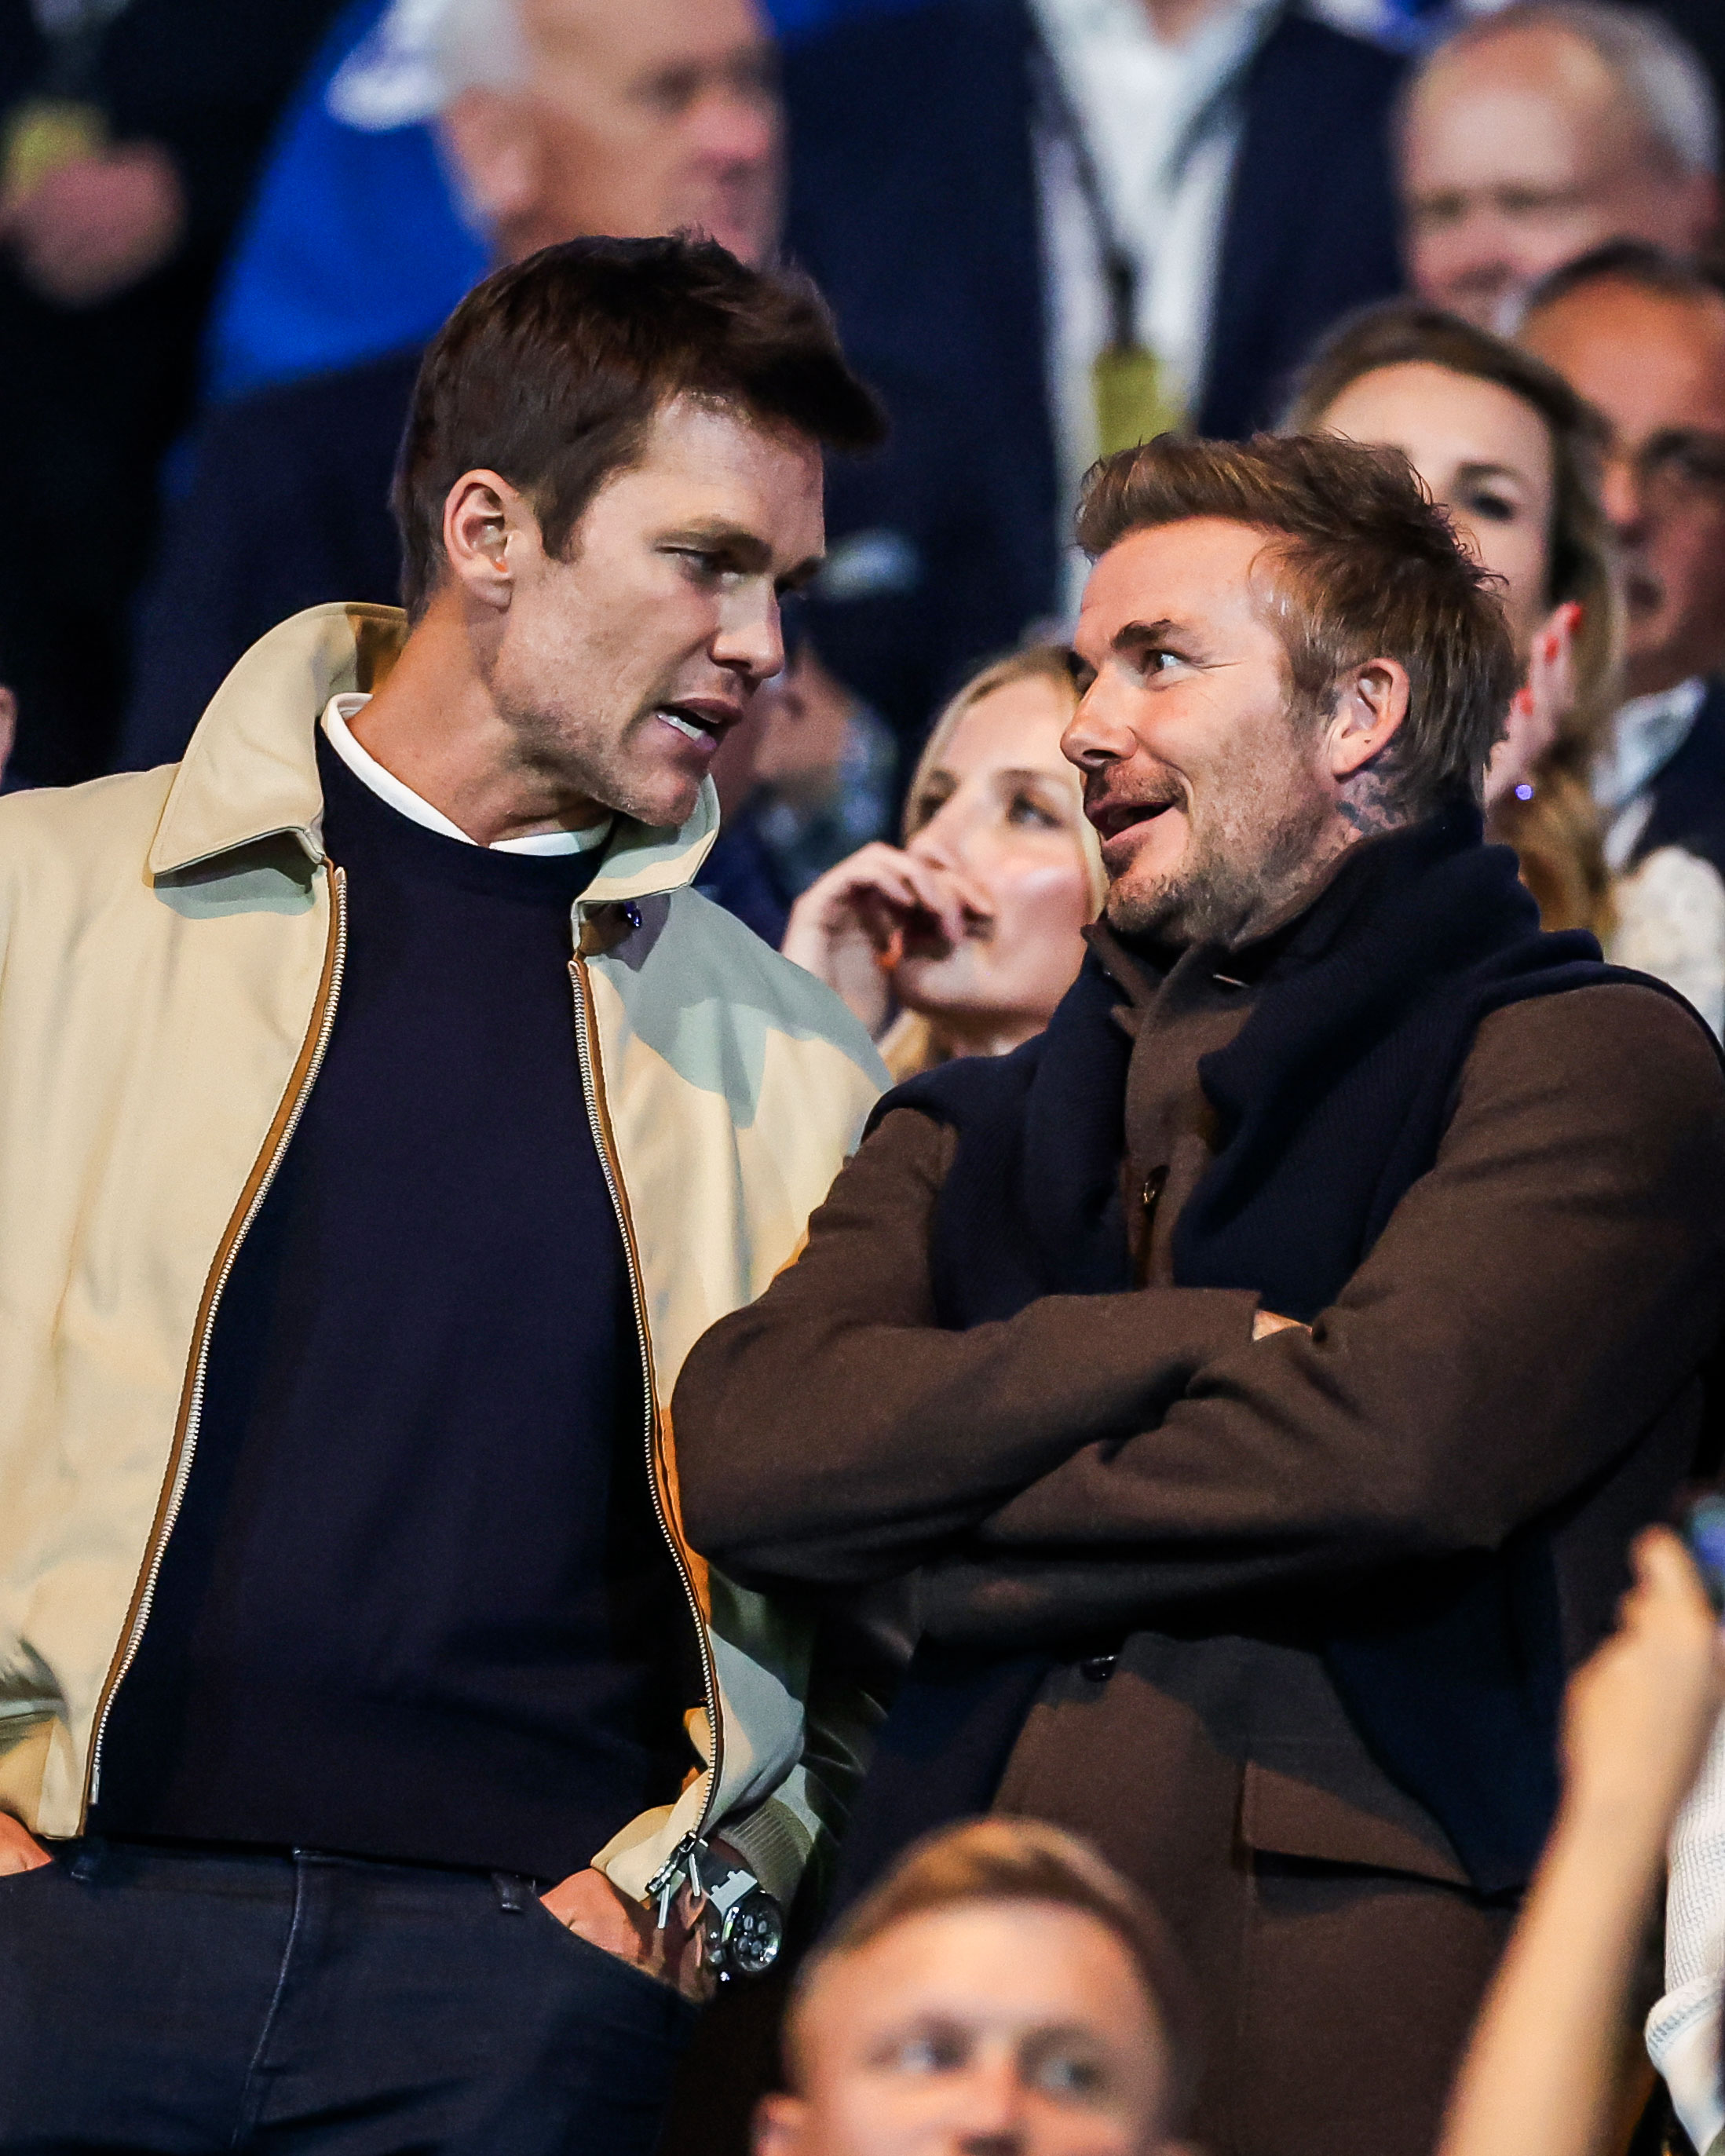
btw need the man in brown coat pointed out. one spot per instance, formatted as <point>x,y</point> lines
<point>1264,1369</point>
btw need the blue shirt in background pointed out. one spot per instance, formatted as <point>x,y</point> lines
<point>353,246</point>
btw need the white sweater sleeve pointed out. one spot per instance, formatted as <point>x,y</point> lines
<point>1683,2029</point>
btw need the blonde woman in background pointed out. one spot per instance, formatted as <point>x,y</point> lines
<point>1511,452</point>
<point>972,930</point>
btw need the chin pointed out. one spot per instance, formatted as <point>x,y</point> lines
<point>665,804</point>
<point>936,988</point>
<point>1142,905</point>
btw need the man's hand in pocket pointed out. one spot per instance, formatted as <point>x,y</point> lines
<point>588,1905</point>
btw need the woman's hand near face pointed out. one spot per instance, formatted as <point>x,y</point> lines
<point>849,926</point>
<point>1538,707</point>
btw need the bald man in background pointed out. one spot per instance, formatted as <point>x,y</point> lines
<point>559,118</point>
<point>1542,131</point>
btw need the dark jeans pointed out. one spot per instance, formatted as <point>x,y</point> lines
<point>181,2001</point>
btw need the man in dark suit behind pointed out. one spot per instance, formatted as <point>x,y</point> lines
<point>937,196</point>
<point>1641,335</point>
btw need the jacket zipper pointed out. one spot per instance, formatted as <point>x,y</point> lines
<point>587,1054</point>
<point>264,1172</point>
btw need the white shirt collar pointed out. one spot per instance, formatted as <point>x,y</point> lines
<point>1143,104</point>
<point>417,809</point>
<point>1645,735</point>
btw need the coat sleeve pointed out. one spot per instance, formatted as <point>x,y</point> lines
<point>1546,1290</point>
<point>1537,1300</point>
<point>834,1433</point>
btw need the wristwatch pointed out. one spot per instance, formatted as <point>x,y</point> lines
<point>742,1926</point>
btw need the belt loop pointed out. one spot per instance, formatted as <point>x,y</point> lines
<point>513,1892</point>
<point>86,1860</point>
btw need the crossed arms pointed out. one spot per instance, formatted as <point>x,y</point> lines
<point>1541,1298</point>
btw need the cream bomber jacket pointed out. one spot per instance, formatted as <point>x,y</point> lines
<point>170,954</point>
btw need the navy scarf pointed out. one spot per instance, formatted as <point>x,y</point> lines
<point>1330,1102</point>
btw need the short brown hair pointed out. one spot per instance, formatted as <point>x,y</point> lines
<point>1556,832</point>
<point>551,373</point>
<point>1369,568</point>
<point>1636,262</point>
<point>1025,1860</point>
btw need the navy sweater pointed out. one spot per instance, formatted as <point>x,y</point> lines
<point>415,1606</point>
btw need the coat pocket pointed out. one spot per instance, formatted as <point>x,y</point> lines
<point>1290,1807</point>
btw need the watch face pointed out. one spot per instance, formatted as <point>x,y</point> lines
<point>753,1933</point>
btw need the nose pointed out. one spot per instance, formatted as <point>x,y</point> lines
<point>1465,261</point>
<point>944,840</point>
<point>750,642</point>
<point>1099,732</point>
<point>990,2112</point>
<point>736,124</point>
<point>1623,494</point>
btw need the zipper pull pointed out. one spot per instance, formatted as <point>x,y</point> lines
<point>679,1866</point>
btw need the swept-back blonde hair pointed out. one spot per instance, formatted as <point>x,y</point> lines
<point>909,1045</point>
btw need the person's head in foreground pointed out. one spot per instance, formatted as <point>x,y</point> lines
<point>1642,336</point>
<point>1002,1989</point>
<point>975,923</point>
<point>610,476</point>
<point>561,117</point>
<point>1505,446</point>
<point>1293,651</point>
<point>1544,130</point>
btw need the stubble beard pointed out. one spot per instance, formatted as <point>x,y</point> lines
<point>1245,872</point>
<point>578,761</point>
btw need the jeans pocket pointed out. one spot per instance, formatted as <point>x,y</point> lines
<point>13,1879</point>
<point>614,1971</point>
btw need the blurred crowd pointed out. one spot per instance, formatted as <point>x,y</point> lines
<point>1047,228</point>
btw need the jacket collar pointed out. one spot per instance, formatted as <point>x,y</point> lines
<point>250,770</point>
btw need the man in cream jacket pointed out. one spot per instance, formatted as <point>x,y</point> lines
<point>383,1115</point>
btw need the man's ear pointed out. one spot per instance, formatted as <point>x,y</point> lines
<point>1371,703</point>
<point>498,158</point>
<point>489,530</point>
<point>780,2126</point>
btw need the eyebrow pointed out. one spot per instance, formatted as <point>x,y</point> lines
<point>1490,468</point>
<point>1144,632</point>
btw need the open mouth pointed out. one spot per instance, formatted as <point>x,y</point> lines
<point>1111,820</point>
<point>706,724</point>
<point>1643,594</point>
<point>920,934</point>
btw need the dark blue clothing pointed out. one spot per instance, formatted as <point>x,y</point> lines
<point>289,508</point>
<point>1689,792</point>
<point>92,396</point>
<point>741,875</point>
<point>192,2002</point>
<point>415,1606</point>
<point>913,203</point>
